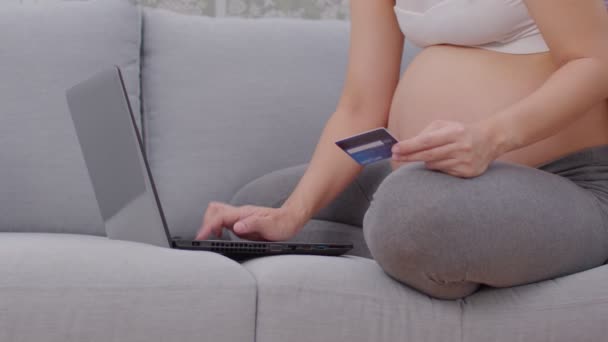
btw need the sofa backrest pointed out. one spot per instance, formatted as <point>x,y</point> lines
<point>229,100</point>
<point>226,100</point>
<point>45,49</point>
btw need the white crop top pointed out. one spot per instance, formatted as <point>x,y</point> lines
<point>499,25</point>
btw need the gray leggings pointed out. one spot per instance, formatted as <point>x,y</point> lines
<point>445,236</point>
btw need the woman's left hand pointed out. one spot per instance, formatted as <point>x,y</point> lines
<point>462,150</point>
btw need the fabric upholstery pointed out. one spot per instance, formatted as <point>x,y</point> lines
<point>315,298</point>
<point>565,309</point>
<point>74,288</point>
<point>308,298</point>
<point>45,49</point>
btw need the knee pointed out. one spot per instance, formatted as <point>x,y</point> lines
<point>414,231</point>
<point>269,190</point>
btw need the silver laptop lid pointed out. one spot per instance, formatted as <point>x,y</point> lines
<point>112,150</point>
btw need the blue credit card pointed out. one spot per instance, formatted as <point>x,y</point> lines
<point>370,146</point>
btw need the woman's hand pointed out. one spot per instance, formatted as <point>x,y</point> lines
<point>462,150</point>
<point>249,222</point>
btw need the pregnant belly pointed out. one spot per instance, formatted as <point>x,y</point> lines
<point>468,84</point>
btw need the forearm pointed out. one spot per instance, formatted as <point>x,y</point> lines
<point>330,170</point>
<point>567,94</point>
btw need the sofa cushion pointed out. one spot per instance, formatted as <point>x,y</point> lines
<point>564,309</point>
<point>316,298</point>
<point>307,298</point>
<point>44,185</point>
<point>229,100</point>
<point>63,287</point>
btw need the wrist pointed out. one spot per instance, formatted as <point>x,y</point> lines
<point>299,214</point>
<point>499,135</point>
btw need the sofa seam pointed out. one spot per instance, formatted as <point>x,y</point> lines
<point>142,120</point>
<point>256,302</point>
<point>461,304</point>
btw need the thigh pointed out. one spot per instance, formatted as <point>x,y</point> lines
<point>512,225</point>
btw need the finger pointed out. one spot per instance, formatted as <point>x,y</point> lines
<point>217,215</point>
<point>246,226</point>
<point>427,140</point>
<point>207,227</point>
<point>432,154</point>
<point>227,216</point>
<point>245,212</point>
<point>203,231</point>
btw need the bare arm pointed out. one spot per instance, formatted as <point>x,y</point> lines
<point>376,44</point>
<point>577,34</point>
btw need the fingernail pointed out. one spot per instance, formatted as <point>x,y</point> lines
<point>238,227</point>
<point>395,149</point>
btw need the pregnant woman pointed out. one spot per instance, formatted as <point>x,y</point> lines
<point>500,176</point>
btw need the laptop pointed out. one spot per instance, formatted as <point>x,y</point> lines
<point>123,184</point>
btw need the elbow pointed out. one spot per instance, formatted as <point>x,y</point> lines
<point>598,57</point>
<point>601,63</point>
<point>593,66</point>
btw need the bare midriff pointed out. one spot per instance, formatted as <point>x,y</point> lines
<point>466,84</point>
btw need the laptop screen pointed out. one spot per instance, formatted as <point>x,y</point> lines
<point>112,152</point>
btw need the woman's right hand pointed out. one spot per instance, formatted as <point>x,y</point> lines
<point>249,222</point>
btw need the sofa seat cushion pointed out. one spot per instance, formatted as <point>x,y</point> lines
<point>564,309</point>
<point>307,298</point>
<point>62,287</point>
<point>316,298</point>
<point>46,49</point>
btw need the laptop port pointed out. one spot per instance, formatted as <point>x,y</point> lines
<point>196,243</point>
<point>275,248</point>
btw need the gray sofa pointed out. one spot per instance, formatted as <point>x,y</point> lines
<point>222,103</point>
